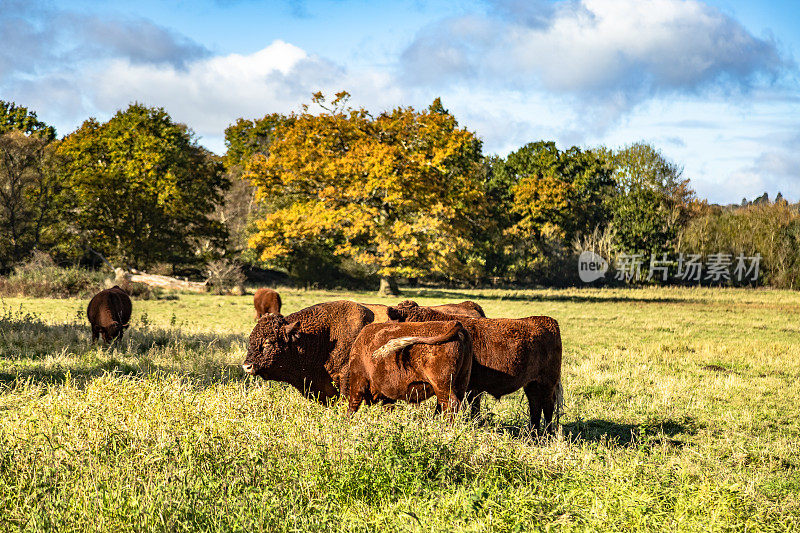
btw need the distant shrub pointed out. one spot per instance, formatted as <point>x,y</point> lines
<point>140,291</point>
<point>225,277</point>
<point>769,229</point>
<point>38,279</point>
<point>39,260</point>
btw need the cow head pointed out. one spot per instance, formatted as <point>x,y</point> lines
<point>114,331</point>
<point>405,311</point>
<point>271,349</point>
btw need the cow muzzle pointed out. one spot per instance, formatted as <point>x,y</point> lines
<point>250,369</point>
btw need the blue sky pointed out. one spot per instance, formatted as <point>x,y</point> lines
<point>714,84</point>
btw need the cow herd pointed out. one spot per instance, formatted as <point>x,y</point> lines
<point>376,353</point>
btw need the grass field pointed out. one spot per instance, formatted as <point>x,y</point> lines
<point>682,413</point>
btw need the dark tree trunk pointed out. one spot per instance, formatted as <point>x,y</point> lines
<point>388,287</point>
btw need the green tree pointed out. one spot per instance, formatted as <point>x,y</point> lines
<point>546,197</point>
<point>395,193</point>
<point>31,197</point>
<point>248,137</point>
<point>144,189</point>
<point>651,201</point>
<point>17,118</point>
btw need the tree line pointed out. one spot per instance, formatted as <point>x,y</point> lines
<point>334,193</point>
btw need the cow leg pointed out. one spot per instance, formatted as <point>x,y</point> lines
<point>95,334</point>
<point>548,407</point>
<point>535,404</point>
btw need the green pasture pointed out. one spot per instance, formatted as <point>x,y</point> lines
<point>682,414</point>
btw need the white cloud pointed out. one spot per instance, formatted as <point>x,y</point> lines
<point>209,94</point>
<point>619,52</point>
<point>40,39</point>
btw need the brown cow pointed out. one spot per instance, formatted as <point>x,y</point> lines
<point>266,301</point>
<point>467,309</point>
<point>109,312</point>
<point>509,354</point>
<point>412,362</point>
<point>309,349</point>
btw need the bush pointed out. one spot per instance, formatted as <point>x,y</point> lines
<point>772,230</point>
<point>37,279</point>
<point>225,277</point>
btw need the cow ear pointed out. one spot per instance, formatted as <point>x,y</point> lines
<point>394,315</point>
<point>292,331</point>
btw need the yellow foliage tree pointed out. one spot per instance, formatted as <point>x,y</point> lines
<point>397,193</point>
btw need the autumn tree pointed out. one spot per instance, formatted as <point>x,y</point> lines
<point>545,197</point>
<point>396,192</point>
<point>144,189</point>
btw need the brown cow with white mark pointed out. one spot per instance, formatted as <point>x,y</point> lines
<point>509,354</point>
<point>411,362</point>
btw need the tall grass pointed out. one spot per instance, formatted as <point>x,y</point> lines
<point>681,413</point>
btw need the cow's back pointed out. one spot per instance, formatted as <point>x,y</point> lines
<point>110,305</point>
<point>380,311</point>
<point>396,370</point>
<point>467,309</point>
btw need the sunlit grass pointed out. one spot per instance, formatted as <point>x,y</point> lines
<point>682,413</point>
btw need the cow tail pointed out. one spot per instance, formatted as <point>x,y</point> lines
<point>395,345</point>
<point>559,400</point>
<point>559,407</point>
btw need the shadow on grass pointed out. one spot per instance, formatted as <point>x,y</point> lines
<point>31,349</point>
<point>81,376</point>
<point>596,430</point>
<point>516,296</point>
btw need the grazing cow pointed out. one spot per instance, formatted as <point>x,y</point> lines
<point>309,349</point>
<point>467,309</point>
<point>509,354</point>
<point>412,362</point>
<point>109,312</point>
<point>266,301</point>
